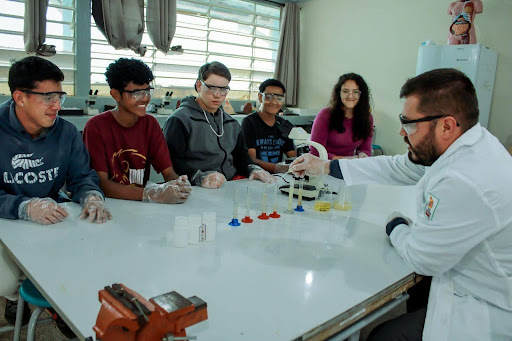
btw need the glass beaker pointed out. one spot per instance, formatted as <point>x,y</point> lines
<point>343,200</point>
<point>323,200</point>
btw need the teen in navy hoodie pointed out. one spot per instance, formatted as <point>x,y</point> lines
<point>40,153</point>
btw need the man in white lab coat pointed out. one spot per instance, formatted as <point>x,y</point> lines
<point>462,232</point>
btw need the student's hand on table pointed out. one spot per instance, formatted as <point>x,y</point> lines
<point>170,192</point>
<point>282,167</point>
<point>183,184</point>
<point>94,209</point>
<point>308,164</point>
<point>361,155</point>
<point>44,211</point>
<point>395,219</point>
<point>262,175</point>
<point>213,180</point>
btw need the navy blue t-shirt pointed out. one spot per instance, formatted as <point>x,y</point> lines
<point>269,142</point>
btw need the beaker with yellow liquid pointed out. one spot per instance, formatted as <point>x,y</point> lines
<point>343,200</point>
<point>323,200</point>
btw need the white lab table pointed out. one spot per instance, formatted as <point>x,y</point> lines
<point>301,276</point>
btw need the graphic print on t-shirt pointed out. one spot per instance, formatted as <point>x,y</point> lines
<point>128,167</point>
<point>24,161</point>
<point>29,175</point>
<point>270,148</point>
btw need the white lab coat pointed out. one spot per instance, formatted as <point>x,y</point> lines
<point>463,238</point>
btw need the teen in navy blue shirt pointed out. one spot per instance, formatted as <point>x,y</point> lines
<point>40,153</point>
<point>266,134</point>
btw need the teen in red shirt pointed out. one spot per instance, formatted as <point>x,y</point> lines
<point>125,142</point>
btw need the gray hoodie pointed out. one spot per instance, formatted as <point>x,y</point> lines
<point>195,147</point>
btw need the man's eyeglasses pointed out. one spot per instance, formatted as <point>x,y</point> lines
<point>49,98</point>
<point>347,92</point>
<point>410,126</point>
<point>212,89</point>
<point>140,94</point>
<point>269,97</point>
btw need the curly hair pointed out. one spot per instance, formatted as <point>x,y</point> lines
<point>361,125</point>
<point>126,70</point>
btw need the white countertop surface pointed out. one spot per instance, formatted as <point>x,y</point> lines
<point>270,280</point>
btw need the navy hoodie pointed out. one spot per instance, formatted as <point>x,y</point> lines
<point>39,167</point>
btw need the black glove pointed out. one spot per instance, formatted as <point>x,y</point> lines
<point>394,223</point>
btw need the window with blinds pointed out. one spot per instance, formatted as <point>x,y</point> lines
<point>59,32</point>
<point>241,34</point>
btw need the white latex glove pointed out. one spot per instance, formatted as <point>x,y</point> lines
<point>170,192</point>
<point>282,167</point>
<point>308,164</point>
<point>263,176</point>
<point>183,184</point>
<point>213,180</point>
<point>43,211</point>
<point>94,208</point>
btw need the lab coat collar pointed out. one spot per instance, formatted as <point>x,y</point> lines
<point>469,138</point>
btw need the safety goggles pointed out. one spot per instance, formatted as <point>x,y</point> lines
<point>270,97</point>
<point>48,98</point>
<point>214,90</point>
<point>140,94</point>
<point>347,92</point>
<point>410,126</point>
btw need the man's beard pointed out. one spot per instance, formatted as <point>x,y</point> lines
<point>425,152</point>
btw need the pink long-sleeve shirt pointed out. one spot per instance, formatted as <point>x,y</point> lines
<point>338,144</point>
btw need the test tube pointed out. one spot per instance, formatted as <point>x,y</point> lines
<point>299,207</point>
<point>274,213</point>
<point>234,221</point>
<point>247,219</point>
<point>289,210</point>
<point>263,214</point>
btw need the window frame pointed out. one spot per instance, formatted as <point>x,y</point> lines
<point>245,80</point>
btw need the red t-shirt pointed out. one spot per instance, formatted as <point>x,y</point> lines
<point>126,154</point>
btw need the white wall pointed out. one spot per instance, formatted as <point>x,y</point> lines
<point>379,40</point>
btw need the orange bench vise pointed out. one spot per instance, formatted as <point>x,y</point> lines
<point>127,316</point>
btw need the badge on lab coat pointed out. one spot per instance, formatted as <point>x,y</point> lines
<point>430,206</point>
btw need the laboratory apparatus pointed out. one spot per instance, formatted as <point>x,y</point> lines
<point>247,219</point>
<point>234,220</point>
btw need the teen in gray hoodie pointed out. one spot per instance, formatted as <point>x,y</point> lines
<point>204,141</point>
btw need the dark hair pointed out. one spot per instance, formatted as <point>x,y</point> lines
<point>361,126</point>
<point>216,68</point>
<point>272,82</point>
<point>24,73</point>
<point>124,70</point>
<point>445,92</point>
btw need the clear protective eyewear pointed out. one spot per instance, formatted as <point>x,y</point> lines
<point>410,126</point>
<point>140,94</point>
<point>49,98</point>
<point>346,92</point>
<point>269,97</point>
<point>214,90</point>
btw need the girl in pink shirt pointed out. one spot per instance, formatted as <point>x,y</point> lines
<point>345,128</point>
